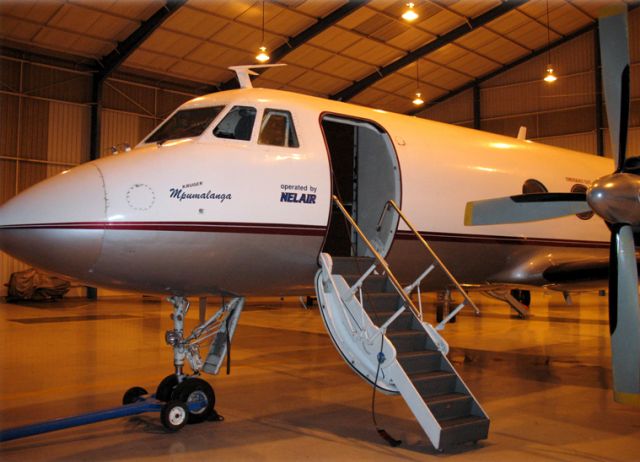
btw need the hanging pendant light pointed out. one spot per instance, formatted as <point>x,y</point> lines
<point>262,55</point>
<point>417,100</point>
<point>410,14</point>
<point>549,75</point>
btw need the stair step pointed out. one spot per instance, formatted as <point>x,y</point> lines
<point>450,405</point>
<point>415,362</point>
<point>374,283</point>
<point>403,322</point>
<point>351,265</point>
<point>434,383</point>
<point>408,340</point>
<point>454,417</point>
<point>463,430</point>
<point>381,302</point>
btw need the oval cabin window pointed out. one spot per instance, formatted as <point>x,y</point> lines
<point>532,186</point>
<point>580,188</point>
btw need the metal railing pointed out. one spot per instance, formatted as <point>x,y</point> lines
<point>436,261</point>
<point>385,266</point>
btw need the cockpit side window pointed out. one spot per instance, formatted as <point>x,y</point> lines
<point>237,124</point>
<point>277,129</point>
<point>187,123</point>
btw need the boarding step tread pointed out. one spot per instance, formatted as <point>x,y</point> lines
<point>449,424</point>
<point>446,398</point>
<point>417,354</point>
<point>403,320</point>
<point>448,406</point>
<point>381,301</point>
<point>374,283</point>
<point>460,430</point>
<point>421,376</point>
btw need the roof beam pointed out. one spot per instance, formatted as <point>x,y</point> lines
<point>306,35</point>
<point>430,47</point>
<point>110,63</point>
<point>567,38</point>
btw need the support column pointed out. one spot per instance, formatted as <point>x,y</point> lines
<point>598,92</point>
<point>476,107</point>
<point>94,142</point>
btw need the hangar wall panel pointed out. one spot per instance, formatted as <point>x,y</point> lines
<point>45,120</point>
<point>69,128</point>
<point>583,142</point>
<point>118,128</point>
<point>562,114</point>
<point>457,110</point>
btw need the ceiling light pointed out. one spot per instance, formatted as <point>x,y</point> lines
<point>418,101</point>
<point>410,14</point>
<point>550,76</point>
<point>263,57</point>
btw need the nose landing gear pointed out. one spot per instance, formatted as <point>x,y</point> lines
<point>180,398</point>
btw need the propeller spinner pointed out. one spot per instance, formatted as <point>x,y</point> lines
<point>615,198</point>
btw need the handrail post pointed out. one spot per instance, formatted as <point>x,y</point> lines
<point>378,257</point>
<point>430,250</point>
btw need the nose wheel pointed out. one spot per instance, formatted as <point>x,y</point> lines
<point>188,402</point>
<point>174,415</point>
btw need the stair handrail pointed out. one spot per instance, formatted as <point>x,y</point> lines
<point>407,300</point>
<point>440,263</point>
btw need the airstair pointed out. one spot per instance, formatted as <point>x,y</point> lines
<point>382,336</point>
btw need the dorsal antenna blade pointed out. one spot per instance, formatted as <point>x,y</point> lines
<point>244,72</point>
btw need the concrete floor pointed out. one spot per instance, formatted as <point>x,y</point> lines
<point>545,383</point>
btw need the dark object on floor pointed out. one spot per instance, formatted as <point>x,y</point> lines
<point>32,284</point>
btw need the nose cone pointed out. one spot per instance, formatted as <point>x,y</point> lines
<point>58,224</point>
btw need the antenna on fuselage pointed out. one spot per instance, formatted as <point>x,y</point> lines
<point>243,73</point>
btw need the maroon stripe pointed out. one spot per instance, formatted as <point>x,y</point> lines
<point>248,228</point>
<point>511,240</point>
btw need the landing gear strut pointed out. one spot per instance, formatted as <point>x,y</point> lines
<point>180,398</point>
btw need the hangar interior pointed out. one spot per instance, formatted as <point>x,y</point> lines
<point>79,77</point>
<point>480,65</point>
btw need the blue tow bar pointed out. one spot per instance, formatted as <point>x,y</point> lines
<point>140,407</point>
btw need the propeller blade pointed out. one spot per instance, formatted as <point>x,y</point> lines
<point>523,208</point>
<point>614,49</point>
<point>624,316</point>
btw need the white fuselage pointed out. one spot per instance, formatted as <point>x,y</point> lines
<point>210,215</point>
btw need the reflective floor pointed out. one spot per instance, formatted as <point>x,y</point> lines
<point>545,382</point>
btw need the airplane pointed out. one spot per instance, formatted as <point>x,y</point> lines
<point>246,192</point>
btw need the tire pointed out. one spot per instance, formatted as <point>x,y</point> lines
<point>174,415</point>
<point>193,390</point>
<point>165,388</point>
<point>523,296</point>
<point>132,395</point>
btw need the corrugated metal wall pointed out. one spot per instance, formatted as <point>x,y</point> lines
<point>45,112</point>
<point>45,119</point>
<point>561,114</point>
<point>44,129</point>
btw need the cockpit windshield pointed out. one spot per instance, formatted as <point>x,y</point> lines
<point>186,123</point>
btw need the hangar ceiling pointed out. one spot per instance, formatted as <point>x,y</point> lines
<point>358,51</point>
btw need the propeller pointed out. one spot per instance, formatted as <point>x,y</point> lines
<point>615,198</point>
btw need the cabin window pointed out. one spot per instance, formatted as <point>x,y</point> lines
<point>277,129</point>
<point>237,124</point>
<point>532,186</point>
<point>580,188</point>
<point>187,123</point>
